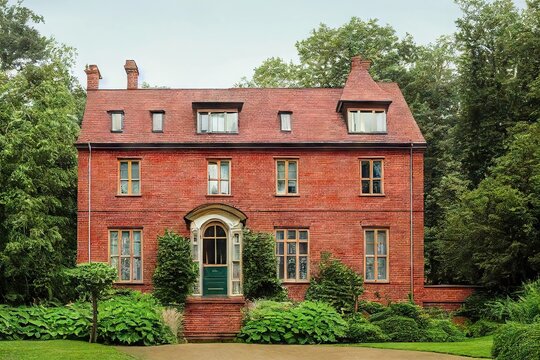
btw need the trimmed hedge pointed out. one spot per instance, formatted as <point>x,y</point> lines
<point>306,323</point>
<point>400,329</point>
<point>515,341</point>
<point>439,330</point>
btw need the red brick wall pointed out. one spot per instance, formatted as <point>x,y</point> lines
<point>447,297</point>
<point>212,318</point>
<point>174,182</point>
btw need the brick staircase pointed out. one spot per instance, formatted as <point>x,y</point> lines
<point>212,318</point>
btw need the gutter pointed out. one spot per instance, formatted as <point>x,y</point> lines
<point>89,200</point>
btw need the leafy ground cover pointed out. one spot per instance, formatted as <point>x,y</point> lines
<point>478,347</point>
<point>58,350</point>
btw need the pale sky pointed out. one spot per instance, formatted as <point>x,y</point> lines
<point>212,43</point>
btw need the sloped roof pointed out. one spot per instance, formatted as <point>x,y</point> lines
<point>314,118</point>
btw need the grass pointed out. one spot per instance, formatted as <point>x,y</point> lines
<point>58,350</point>
<point>479,347</point>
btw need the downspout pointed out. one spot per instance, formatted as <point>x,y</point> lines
<point>411,219</point>
<point>89,199</point>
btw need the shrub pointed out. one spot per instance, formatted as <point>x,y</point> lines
<point>361,331</point>
<point>524,309</point>
<point>400,328</point>
<point>93,280</point>
<point>133,321</point>
<point>443,331</point>
<point>261,308</point>
<point>515,341</point>
<point>260,263</point>
<point>175,271</point>
<point>370,307</point>
<point>482,328</point>
<point>403,309</point>
<point>38,322</point>
<point>306,323</point>
<point>474,307</point>
<point>336,284</point>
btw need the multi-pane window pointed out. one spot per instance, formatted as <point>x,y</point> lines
<point>292,251</point>
<point>287,177</point>
<point>125,251</point>
<point>376,255</point>
<point>219,177</point>
<point>129,182</point>
<point>117,121</point>
<point>285,119</point>
<point>217,122</point>
<point>157,121</point>
<point>367,121</point>
<point>372,177</point>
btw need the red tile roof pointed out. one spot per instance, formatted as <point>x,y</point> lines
<point>314,118</point>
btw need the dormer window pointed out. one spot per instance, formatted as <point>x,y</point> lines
<point>223,121</point>
<point>117,121</point>
<point>157,121</point>
<point>285,120</point>
<point>367,121</point>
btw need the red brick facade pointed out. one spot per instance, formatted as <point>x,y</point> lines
<point>173,175</point>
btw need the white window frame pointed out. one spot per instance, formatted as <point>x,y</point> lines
<point>285,119</point>
<point>112,115</point>
<point>210,125</point>
<point>376,256</point>
<point>357,120</point>
<point>297,241</point>
<point>160,117</point>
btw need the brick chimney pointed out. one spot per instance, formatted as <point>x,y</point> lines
<point>132,72</point>
<point>92,77</point>
<point>359,63</point>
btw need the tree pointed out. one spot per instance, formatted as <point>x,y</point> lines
<point>20,42</point>
<point>492,236</point>
<point>93,280</point>
<point>175,272</point>
<point>259,273</point>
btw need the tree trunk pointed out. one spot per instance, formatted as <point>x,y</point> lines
<point>93,332</point>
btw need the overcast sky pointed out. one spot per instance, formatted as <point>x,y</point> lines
<point>212,43</point>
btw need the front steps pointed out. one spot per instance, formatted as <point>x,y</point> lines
<point>212,318</point>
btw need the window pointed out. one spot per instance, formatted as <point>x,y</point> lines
<point>129,182</point>
<point>287,177</point>
<point>285,119</point>
<point>157,121</point>
<point>117,121</point>
<point>217,122</point>
<point>376,254</point>
<point>292,251</point>
<point>125,251</point>
<point>367,121</point>
<point>372,177</point>
<point>219,177</point>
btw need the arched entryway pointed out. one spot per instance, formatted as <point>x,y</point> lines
<point>216,237</point>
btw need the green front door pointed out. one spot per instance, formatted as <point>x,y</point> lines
<point>215,261</point>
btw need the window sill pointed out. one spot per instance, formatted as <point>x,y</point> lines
<point>218,195</point>
<point>128,196</point>
<point>117,131</point>
<point>372,195</point>
<point>128,283</point>
<point>287,195</point>
<point>377,282</point>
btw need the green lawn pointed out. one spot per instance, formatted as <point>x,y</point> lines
<point>479,347</point>
<point>58,350</point>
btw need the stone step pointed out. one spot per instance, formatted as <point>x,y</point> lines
<point>212,318</point>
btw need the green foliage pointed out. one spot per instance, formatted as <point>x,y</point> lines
<point>370,307</point>
<point>441,330</point>
<point>261,308</point>
<point>515,341</point>
<point>337,284</point>
<point>306,323</point>
<point>93,279</point>
<point>400,329</point>
<point>361,331</point>
<point>525,308</point>
<point>124,320</point>
<point>20,42</point>
<point>474,307</point>
<point>38,322</point>
<point>175,272</point>
<point>259,267</point>
<point>402,309</point>
<point>482,328</point>
<point>133,320</point>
